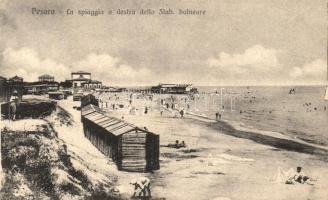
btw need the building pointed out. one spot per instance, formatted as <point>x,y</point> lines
<point>174,89</point>
<point>91,84</point>
<point>139,89</point>
<point>46,78</point>
<point>7,89</point>
<point>80,77</point>
<point>4,90</point>
<point>41,87</point>
<point>16,79</point>
<point>130,147</point>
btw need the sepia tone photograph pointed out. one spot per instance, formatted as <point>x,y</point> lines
<point>163,100</point>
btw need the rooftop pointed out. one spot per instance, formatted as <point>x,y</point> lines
<point>91,81</point>
<point>81,72</point>
<point>46,76</point>
<point>111,124</point>
<point>16,77</point>
<point>174,85</point>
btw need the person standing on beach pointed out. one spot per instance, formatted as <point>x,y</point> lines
<point>181,113</point>
<point>217,116</point>
<point>13,106</point>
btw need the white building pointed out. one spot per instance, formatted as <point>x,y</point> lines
<point>92,84</point>
<point>80,77</point>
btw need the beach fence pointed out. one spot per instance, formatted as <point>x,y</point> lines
<point>131,148</point>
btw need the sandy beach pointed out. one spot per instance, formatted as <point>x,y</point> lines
<point>216,165</point>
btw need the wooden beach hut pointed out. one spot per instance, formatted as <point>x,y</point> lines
<point>130,147</point>
<point>89,99</point>
<point>57,95</point>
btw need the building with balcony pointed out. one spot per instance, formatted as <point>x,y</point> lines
<point>80,77</point>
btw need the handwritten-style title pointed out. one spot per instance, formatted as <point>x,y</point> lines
<point>102,12</point>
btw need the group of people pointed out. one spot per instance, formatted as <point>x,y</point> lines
<point>177,144</point>
<point>218,116</point>
<point>309,107</point>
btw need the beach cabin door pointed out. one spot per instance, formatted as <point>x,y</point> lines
<point>152,152</point>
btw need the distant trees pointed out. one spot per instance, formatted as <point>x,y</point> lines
<point>66,84</point>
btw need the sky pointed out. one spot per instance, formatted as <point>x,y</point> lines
<point>249,42</point>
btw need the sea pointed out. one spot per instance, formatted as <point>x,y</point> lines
<point>297,111</point>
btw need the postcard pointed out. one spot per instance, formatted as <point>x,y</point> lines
<point>163,100</point>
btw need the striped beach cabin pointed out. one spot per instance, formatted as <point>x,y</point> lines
<point>131,148</point>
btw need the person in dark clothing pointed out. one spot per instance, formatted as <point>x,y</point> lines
<point>177,144</point>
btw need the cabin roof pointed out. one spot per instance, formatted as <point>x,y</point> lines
<point>111,124</point>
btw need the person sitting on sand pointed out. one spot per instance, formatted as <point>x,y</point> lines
<point>182,145</point>
<point>176,145</point>
<point>299,177</point>
<point>143,184</point>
